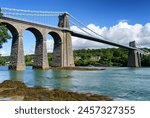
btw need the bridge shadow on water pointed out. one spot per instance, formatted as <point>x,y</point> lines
<point>16,75</point>
<point>53,79</point>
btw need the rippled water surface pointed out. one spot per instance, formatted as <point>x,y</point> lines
<point>120,83</point>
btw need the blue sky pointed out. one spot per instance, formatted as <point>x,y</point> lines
<point>101,13</point>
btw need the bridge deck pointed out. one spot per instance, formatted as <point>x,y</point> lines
<point>31,23</point>
<point>76,34</point>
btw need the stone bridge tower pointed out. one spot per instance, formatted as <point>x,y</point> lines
<point>66,54</point>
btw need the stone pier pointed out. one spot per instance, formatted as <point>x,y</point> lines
<point>66,55</point>
<point>40,55</point>
<point>134,59</point>
<point>17,53</point>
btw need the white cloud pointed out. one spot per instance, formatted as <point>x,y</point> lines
<point>121,33</point>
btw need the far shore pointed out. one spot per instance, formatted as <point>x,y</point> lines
<point>18,91</point>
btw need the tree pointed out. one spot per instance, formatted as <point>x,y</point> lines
<point>4,36</point>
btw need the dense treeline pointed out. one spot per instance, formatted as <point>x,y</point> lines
<point>104,57</point>
<point>4,60</point>
<point>95,57</point>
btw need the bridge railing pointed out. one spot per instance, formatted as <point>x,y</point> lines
<point>41,17</point>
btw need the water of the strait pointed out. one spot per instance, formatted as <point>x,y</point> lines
<point>118,82</point>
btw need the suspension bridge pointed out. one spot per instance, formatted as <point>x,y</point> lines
<point>57,24</point>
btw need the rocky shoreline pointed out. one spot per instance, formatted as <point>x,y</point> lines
<point>16,90</point>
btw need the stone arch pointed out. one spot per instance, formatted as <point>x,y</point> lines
<point>40,60</point>
<point>55,36</point>
<point>17,54</point>
<point>57,50</point>
<point>38,35</point>
<point>11,28</point>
